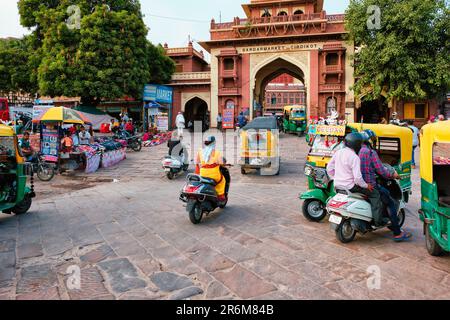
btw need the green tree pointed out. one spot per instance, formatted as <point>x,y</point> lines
<point>107,57</point>
<point>408,55</point>
<point>15,66</point>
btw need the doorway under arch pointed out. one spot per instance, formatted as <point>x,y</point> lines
<point>196,109</point>
<point>267,74</point>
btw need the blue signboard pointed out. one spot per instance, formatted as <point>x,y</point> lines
<point>161,94</point>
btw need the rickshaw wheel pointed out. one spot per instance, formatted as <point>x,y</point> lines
<point>345,232</point>
<point>313,210</point>
<point>433,247</point>
<point>24,206</point>
<point>243,171</point>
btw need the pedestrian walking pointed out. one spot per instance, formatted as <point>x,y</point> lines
<point>180,123</point>
<point>219,121</point>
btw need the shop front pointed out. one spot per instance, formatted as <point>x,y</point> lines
<point>158,104</point>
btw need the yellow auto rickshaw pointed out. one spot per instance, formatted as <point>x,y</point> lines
<point>435,177</point>
<point>260,146</point>
<point>15,195</point>
<point>395,147</point>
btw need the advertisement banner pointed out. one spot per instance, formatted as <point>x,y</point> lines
<point>162,122</point>
<point>161,94</point>
<point>228,119</point>
<point>50,144</point>
<point>326,130</point>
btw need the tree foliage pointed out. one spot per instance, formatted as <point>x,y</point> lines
<point>15,66</point>
<point>409,56</point>
<point>107,57</point>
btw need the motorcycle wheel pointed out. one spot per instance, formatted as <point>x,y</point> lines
<point>23,207</point>
<point>45,172</point>
<point>401,217</point>
<point>170,175</point>
<point>345,232</point>
<point>137,147</point>
<point>313,210</point>
<point>433,247</point>
<point>196,214</point>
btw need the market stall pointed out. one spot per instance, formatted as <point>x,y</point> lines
<point>62,144</point>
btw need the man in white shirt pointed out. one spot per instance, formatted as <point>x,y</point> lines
<point>345,169</point>
<point>180,123</point>
<point>84,137</point>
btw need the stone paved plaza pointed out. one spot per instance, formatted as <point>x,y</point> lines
<point>127,235</point>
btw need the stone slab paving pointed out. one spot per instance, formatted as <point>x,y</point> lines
<point>132,239</point>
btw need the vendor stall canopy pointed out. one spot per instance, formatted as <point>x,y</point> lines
<point>64,115</point>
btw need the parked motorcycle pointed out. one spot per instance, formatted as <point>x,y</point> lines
<point>133,142</point>
<point>351,213</point>
<point>200,195</point>
<point>173,166</point>
<point>44,170</point>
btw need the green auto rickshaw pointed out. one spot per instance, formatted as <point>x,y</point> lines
<point>15,195</point>
<point>394,147</point>
<point>295,119</point>
<point>435,177</point>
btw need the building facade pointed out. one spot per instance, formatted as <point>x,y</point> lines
<point>283,91</point>
<point>284,37</point>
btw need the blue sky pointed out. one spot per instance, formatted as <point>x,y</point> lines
<point>166,19</point>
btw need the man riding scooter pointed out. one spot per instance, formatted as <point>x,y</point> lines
<point>345,169</point>
<point>208,165</point>
<point>371,166</point>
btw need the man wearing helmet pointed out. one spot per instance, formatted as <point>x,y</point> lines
<point>371,166</point>
<point>345,169</point>
<point>208,164</point>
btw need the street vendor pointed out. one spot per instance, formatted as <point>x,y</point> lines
<point>84,136</point>
<point>67,143</point>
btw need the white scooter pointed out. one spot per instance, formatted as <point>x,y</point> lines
<point>174,166</point>
<point>351,213</point>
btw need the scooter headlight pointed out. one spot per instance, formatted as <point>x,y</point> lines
<point>308,171</point>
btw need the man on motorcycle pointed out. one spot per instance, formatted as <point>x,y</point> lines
<point>208,163</point>
<point>371,166</point>
<point>345,169</point>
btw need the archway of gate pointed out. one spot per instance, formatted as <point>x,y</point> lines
<point>267,73</point>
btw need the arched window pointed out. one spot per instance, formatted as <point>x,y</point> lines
<point>331,105</point>
<point>298,12</point>
<point>282,13</point>
<point>266,14</point>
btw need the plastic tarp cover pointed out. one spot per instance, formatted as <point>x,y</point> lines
<point>97,119</point>
<point>269,123</point>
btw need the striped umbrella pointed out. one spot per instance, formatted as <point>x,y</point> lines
<point>64,115</point>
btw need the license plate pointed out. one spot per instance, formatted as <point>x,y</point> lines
<point>335,219</point>
<point>167,169</point>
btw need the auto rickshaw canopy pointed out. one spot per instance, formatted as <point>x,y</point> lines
<point>438,132</point>
<point>404,134</point>
<point>6,131</point>
<point>289,109</point>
